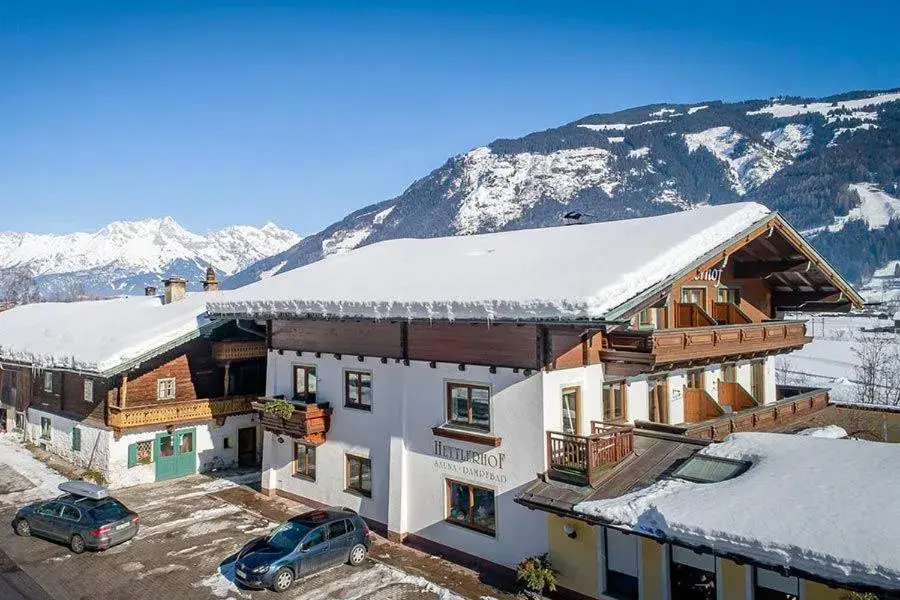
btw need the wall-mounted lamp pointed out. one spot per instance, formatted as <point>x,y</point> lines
<point>280,439</point>
<point>569,530</point>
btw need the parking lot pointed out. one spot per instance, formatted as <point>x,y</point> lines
<point>191,529</point>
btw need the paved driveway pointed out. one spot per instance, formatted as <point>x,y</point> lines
<point>190,530</point>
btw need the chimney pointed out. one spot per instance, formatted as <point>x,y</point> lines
<point>175,289</point>
<point>210,284</point>
<point>150,290</point>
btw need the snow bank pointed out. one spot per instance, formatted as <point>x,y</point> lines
<point>508,275</point>
<point>96,335</point>
<point>833,432</point>
<point>821,506</point>
<point>43,481</point>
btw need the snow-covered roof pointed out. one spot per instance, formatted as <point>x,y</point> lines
<point>98,335</point>
<point>574,272</point>
<point>825,507</point>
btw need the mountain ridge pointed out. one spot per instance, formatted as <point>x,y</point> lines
<point>800,156</point>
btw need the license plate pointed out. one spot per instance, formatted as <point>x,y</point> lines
<point>122,526</point>
<point>241,574</point>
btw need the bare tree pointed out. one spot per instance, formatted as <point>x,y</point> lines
<point>877,371</point>
<point>17,286</point>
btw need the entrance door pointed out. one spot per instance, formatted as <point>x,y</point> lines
<point>247,446</point>
<point>176,454</point>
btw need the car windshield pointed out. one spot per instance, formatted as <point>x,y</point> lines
<point>111,510</point>
<point>288,535</point>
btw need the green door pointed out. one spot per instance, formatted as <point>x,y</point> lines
<point>176,454</point>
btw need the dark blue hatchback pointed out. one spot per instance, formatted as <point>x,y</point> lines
<point>304,545</point>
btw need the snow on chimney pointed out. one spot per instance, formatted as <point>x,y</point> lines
<point>175,289</point>
<point>210,284</point>
<point>150,290</point>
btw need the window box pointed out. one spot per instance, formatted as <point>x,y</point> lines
<point>471,507</point>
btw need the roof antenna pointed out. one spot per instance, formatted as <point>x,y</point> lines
<point>573,217</point>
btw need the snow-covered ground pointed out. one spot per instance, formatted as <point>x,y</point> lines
<point>23,478</point>
<point>876,209</point>
<point>749,164</point>
<point>823,506</point>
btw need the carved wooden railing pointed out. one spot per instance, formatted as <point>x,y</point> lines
<point>699,406</point>
<point>728,313</point>
<point>762,418</point>
<point>688,314</point>
<point>309,422</point>
<point>174,413</point>
<point>735,396</point>
<point>238,350</point>
<point>582,460</point>
<point>672,345</point>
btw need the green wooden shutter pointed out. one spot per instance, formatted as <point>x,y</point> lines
<point>132,455</point>
<point>76,439</point>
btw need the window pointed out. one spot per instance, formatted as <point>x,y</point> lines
<point>305,461</point>
<point>304,383</point>
<point>187,443</point>
<point>729,373</point>
<point>695,379</point>
<point>70,513</point>
<point>659,399</point>
<point>700,468</point>
<point>336,529</point>
<point>88,390</point>
<point>358,390</point>
<point>758,380</point>
<point>48,381</point>
<point>359,475</point>
<point>692,575</point>
<point>621,564</point>
<point>694,296</point>
<point>728,294</point>
<point>645,318</point>
<point>570,411</point>
<point>226,443</point>
<point>771,585</point>
<point>51,509</point>
<point>469,405</point>
<point>614,402</point>
<point>315,538</point>
<point>165,389</point>
<point>45,428</point>
<point>76,439</point>
<point>471,506</point>
<point>140,453</point>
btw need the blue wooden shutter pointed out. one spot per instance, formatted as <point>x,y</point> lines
<point>76,439</point>
<point>132,455</point>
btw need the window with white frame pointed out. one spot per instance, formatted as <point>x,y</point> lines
<point>621,569</point>
<point>771,585</point>
<point>88,390</point>
<point>48,381</point>
<point>165,389</point>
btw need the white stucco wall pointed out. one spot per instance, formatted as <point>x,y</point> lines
<point>770,383</point>
<point>638,399</point>
<point>408,478</point>
<point>677,381</point>
<point>95,441</point>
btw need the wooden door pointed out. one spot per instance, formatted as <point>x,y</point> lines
<point>758,380</point>
<point>176,454</point>
<point>247,446</point>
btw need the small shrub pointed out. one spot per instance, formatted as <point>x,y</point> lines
<point>280,408</point>
<point>537,574</point>
<point>95,476</point>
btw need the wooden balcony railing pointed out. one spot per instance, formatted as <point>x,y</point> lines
<point>177,413</point>
<point>309,423</point>
<point>762,418</point>
<point>583,460</point>
<point>699,406</point>
<point>727,313</point>
<point>688,314</point>
<point>238,350</point>
<point>674,345</point>
<point>735,396</point>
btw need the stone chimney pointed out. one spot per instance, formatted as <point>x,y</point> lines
<point>210,284</point>
<point>150,290</point>
<point>175,289</point>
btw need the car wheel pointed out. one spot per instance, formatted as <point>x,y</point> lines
<point>22,528</point>
<point>76,544</point>
<point>282,580</point>
<point>357,555</point>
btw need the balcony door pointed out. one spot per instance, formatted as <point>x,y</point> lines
<point>758,380</point>
<point>694,295</point>
<point>570,411</point>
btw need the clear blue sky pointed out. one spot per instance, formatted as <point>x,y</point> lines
<point>298,113</point>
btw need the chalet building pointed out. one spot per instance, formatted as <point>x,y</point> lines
<point>432,380</point>
<point>136,388</point>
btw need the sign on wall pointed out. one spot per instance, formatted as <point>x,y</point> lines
<point>454,460</point>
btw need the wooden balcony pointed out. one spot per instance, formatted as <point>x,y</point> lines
<point>762,418</point>
<point>727,313</point>
<point>309,423</point>
<point>699,406</point>
<point>691,315</point>
<point>177,413</point>
<point>584,460</point>
<point>238,350</point>
<point>726,341</point>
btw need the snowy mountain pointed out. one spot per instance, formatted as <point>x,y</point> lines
<point>125,256</point>
<point>831,165</point>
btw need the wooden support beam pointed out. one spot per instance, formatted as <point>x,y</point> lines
<point>404,341</point>
<point>755,270</point>
<point>792,299</point>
